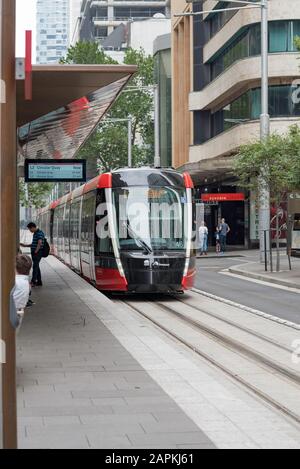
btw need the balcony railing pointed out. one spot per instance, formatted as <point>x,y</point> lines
<point>101,2</point>
<point>120,19</point>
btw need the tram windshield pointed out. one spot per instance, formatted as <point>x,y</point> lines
<point>296,222</point>
<point>151,219</point>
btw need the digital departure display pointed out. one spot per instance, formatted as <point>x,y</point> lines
<point>55,170</point>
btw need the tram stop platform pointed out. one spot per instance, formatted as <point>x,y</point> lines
<point>79,386</point>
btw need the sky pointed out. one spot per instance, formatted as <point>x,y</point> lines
<point>26,19</point>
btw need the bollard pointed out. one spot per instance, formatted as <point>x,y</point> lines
<point>265,249</point>
<point>271,252</point>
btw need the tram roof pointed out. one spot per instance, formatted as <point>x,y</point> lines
<point>167,177</point>
<point>68,101</point>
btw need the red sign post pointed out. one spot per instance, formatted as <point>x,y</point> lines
<point>28,66</point>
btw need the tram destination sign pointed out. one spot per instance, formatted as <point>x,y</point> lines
<point>55,170</point>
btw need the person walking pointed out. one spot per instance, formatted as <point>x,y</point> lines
<point>203,237</point>
<point>223,230</point>
<point>36,247</point>
<point>217,237</point>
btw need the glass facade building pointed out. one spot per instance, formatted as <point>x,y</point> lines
<point>282,36</point>
<point>163,79</point>
<point>224,98</point>
<point>248,107</point>
<point>53,30</point>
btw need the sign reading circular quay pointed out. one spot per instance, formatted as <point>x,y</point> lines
<point>55,170</point>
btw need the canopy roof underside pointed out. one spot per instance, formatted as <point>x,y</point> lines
<point>68,103</point>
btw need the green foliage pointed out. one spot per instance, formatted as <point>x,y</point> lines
<point>34,194</point>
<point>297,42</point>
<point>107,147</point>
<point>85,52</point>
<point>274,163</point>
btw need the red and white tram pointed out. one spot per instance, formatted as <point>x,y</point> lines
<point>130,230</point>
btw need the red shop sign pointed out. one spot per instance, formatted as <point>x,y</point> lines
<point>239,196</point>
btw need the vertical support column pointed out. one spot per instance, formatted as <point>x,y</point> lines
<point>175,98</point>
<point>157,161</point>
<point>187,75</point>
<point>129,142</point>
<point>8,217</point>
<point>110,16</point>
<point>181,91</point>
<point>264,190</point>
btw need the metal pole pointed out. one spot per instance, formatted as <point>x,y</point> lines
<point>271,253</point>
<point>129,142</point>
<point>264,192</point>
<point>265,246</point>
<point>157,162</point>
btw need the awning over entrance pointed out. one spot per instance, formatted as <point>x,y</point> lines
<point>68,102</point>
<point>210,170</point>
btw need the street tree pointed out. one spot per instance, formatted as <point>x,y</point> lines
<point>86,52</point>
<point>107,147</point>
<point>279,156</point>
<point>34,194</point>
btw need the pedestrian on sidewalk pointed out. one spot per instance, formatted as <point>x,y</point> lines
<point>203,238</point>
<point>224,230</point>
<point>36,247</point>
<point>217,237</point>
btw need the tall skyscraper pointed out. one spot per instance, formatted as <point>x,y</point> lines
<point>53,30</point>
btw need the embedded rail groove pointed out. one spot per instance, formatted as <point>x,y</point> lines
<point>232,345</point>
<point>237,326</point>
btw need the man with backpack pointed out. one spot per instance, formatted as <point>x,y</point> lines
<point>38,245</point>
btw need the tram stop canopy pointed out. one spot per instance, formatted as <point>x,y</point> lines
<point>68,101</point>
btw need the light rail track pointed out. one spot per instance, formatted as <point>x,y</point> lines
<point>214,344</point>
<point>238,326</point>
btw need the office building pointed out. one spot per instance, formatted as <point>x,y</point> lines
<point>99,18</point>
<point>162,69</point>
<point>53,30</point>
<point>216,60</point>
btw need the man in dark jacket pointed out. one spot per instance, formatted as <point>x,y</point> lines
<point>36,247</point>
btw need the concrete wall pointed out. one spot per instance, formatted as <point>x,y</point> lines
<point>182,84</point>
<point>144,33</point>
<point>245,73</point>
<point>228,142</point>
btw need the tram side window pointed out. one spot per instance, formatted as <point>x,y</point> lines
<point>55,222</point>
<point>87,222</point>
<point>103,244</point>
<point>67,222</point>
<point>296,222</point>
<point>74,220</point>
<point>60,223</point>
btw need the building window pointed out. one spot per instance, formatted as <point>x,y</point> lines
<point>279,36</point>
<point>248,107</point>
<point>218,20</point>
<point>282,36</point>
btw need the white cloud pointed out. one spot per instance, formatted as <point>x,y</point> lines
<point>26,19</point>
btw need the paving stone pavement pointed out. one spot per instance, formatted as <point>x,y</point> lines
<point>78,387</point>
